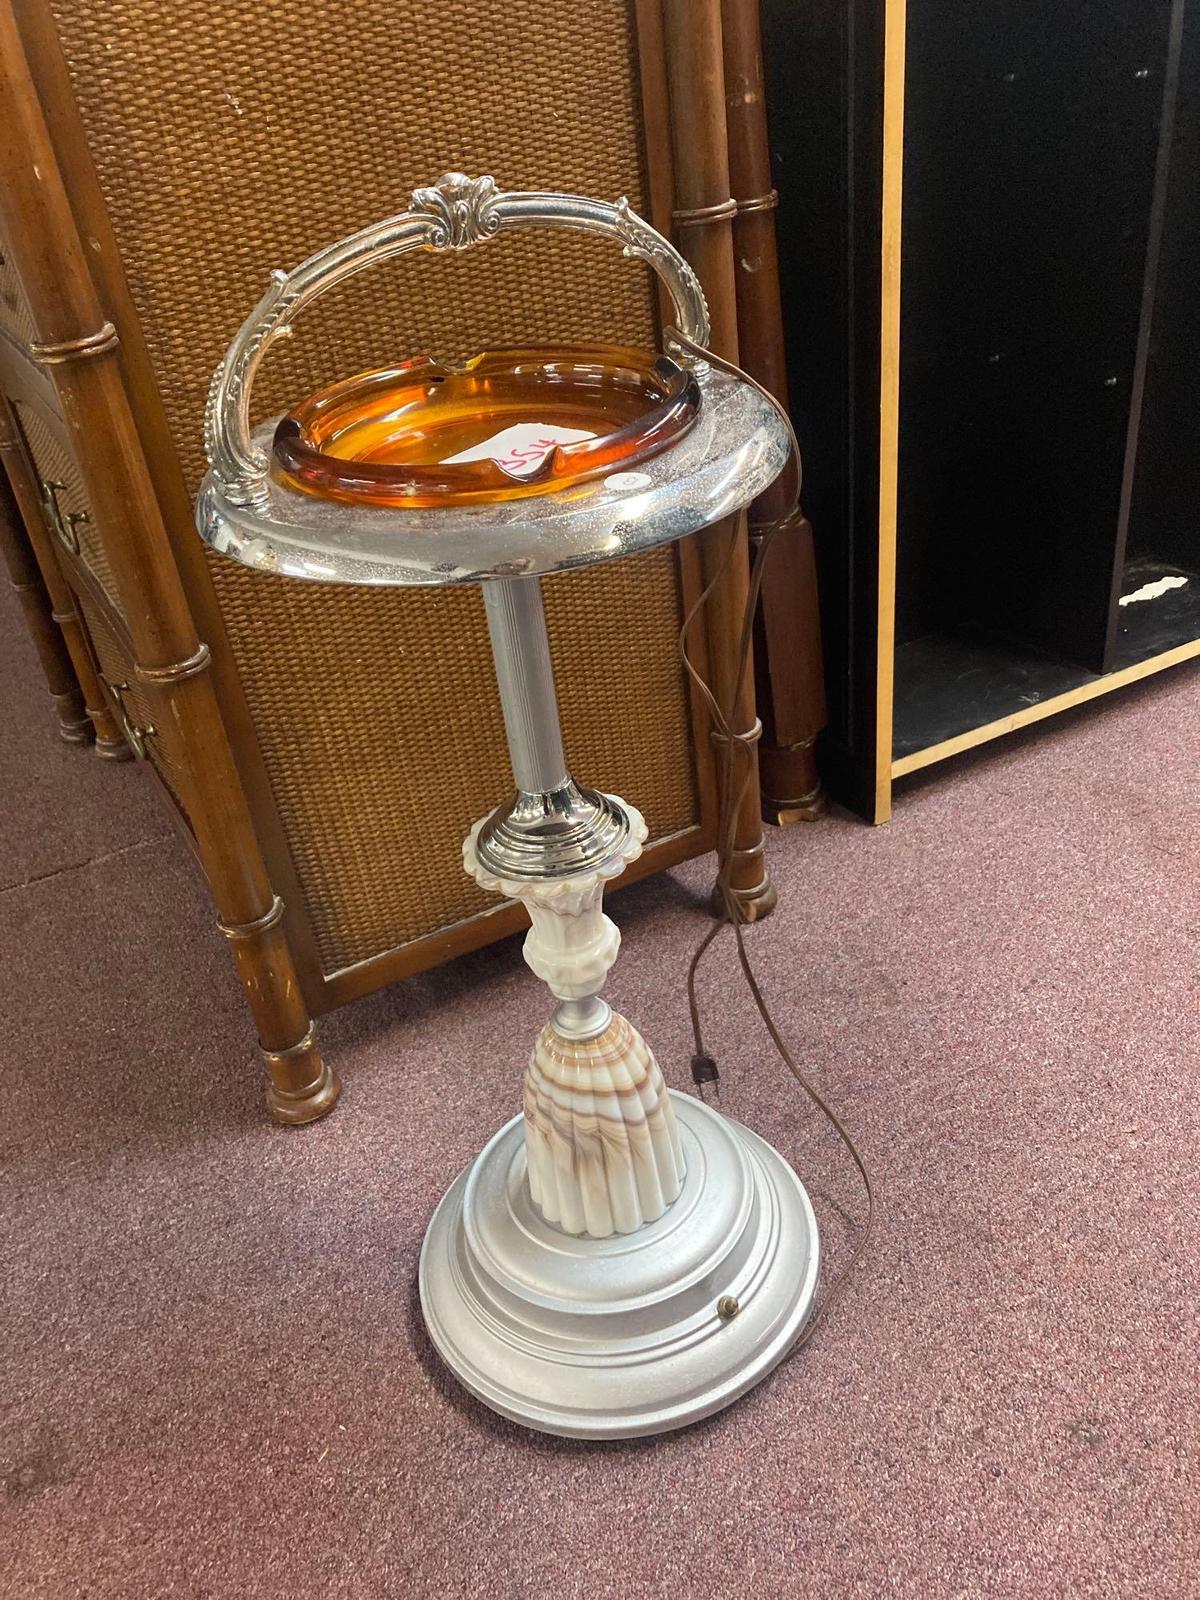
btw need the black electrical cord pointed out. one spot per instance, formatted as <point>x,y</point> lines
<point>730,743</point>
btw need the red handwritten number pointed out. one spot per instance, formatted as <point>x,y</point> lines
<point>525,455</point>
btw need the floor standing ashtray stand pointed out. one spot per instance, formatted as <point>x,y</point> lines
<point>620,1259</point>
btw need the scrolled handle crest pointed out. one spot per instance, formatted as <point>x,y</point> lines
<point>463,210</point>
<point>453,214</point>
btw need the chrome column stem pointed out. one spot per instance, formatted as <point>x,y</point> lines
<point>521,651</point>
<point>552,828</point>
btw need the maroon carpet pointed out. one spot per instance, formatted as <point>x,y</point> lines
<point>213,1380</point>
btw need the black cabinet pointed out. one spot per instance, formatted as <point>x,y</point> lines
<point>989,232</point>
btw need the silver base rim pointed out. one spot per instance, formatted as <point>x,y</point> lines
<point>619,1338</point>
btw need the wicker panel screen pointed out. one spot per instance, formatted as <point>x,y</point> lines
<point>234,138</point>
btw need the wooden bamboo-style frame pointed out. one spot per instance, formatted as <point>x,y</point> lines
<point>80,304</point>
<point>703,217</point>
<point>791,672</point>
<point>170,661</point>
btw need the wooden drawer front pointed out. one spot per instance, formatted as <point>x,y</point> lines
<point>16,319</point>
<point>64,498</point>
<point>127,697</point>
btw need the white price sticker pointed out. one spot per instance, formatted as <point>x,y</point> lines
<point>521,448</point>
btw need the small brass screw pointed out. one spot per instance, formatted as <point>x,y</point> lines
<point>728,1307</point>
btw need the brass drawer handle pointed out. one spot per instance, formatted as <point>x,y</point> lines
<point>135,736</point>
<point>64,523</point>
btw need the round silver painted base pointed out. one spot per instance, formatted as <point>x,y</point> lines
<point>612,1338</point>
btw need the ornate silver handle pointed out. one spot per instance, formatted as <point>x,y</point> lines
<point>454,213</point>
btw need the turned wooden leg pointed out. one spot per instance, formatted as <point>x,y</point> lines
<point>61,682</point>
<point>111,744</point>
<point>74,724</point>
<point>301,1087</point>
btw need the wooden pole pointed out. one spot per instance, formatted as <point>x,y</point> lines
<point>790,677</point>
<point>704,211</point>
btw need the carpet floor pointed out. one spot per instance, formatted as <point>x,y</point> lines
<point>214,1381</point>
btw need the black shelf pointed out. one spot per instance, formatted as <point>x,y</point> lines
<point>1151,627</point>
<point>1046,459</point>
<point>947,686</point>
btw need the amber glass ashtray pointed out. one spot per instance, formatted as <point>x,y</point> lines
<point>509,423</point>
